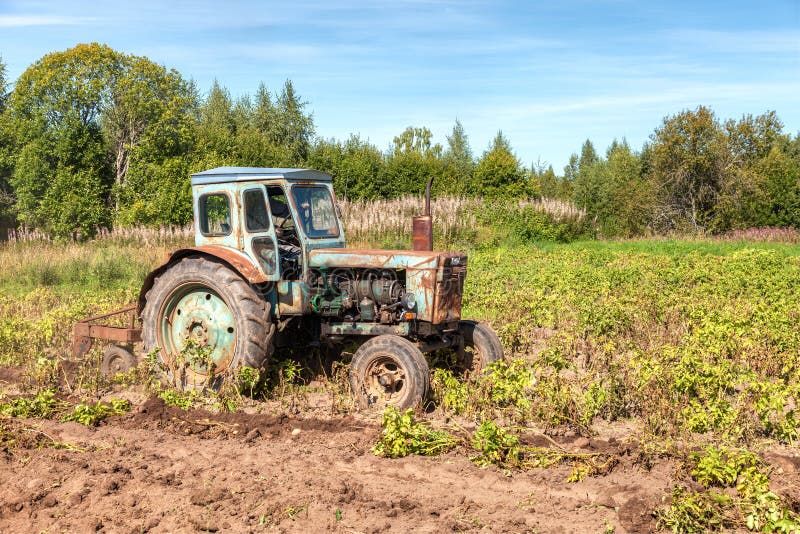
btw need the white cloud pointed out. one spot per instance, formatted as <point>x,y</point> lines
<point>17,21</point>
<point>741,41</point>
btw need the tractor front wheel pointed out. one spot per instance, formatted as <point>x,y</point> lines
<point>481,346</point>
<point>389,370</point>
<point>206,322</point>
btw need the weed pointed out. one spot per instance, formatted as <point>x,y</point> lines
<point>250,381</point>
<point>43,405</point>
<point>181,399</point>
<point>691,511</point>
<point>498,446</point>
<point>93,414</point>
<point>293,511</point>
<point>506,388</point>
<point>402,435</point>
<point>721,467</point>
<point>753,506</point>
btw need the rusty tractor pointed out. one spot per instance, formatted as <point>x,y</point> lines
<point>270,269</point>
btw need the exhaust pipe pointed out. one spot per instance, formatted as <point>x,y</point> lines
<point>423,224</point>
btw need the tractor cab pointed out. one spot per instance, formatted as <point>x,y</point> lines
<point>274,216</point>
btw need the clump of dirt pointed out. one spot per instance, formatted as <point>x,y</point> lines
<point>154,413</point>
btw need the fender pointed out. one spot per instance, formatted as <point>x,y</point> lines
<point>236,260</point>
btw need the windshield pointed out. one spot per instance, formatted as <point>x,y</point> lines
<point>316,212</point>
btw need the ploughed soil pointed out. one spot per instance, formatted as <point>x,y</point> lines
<point>161,469</point>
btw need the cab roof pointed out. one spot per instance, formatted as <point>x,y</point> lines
<point>246,174</point>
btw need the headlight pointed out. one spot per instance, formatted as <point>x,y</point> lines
<point>408,301</point>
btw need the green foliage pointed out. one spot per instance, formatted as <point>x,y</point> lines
<point>458,163</point>
<point>356,166</point>
<point>691,511</point>
<point>452,394</point>
<point>752,506</point>
<point>529,223</point>
<point>504,388</point>
<point>181,399</point>
<point>249,380</point>
<point>93,414</point>
<point>413,160</point>
<point>499,173</point>
<point>689,156</point>
<point>496,446</point>
<point>43,405</point>
<point>403,435</point>
<point>70,111</point>
<point>615,192</point>
<point>722,467</point>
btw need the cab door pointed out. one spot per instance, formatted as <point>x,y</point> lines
<point>259,236</point>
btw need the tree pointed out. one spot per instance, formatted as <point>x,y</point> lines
<point>264,112</point>
<point>292,128</point>
<point>499,173</point>
<point>79,117</point>
<point>761,188</point>
<point>458,163</point>
<point>413,160</point>
<point>750,138</point>
<point>356,166</point>
<point>145,99</point>
<point>217,127</point>
<point>3,85</point>
<point>688,162</point>
<point>55,110</point>
<point>585,177</point>
<point>549,184</point>
<point>588,156</point>
<point>625,201</point>
<point>6,151</point>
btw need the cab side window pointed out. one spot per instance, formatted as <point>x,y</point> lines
<point>255,210</point>
<point>215,214</point>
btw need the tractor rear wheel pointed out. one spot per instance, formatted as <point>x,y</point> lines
<point>206,322</point>
<point>389,370</point>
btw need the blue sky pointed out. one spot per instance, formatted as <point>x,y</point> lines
<point>548,74</point>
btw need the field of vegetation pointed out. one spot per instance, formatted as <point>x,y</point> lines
<point>677,352</point>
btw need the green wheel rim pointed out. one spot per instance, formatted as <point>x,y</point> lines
<point>198,326</point>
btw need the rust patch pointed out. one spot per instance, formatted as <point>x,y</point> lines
<point>85,332</point>
<point>237,260</point>
<point>449,289</point>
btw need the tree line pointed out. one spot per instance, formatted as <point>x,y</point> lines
<point>92,137</point>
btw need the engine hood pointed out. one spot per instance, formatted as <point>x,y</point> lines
<point>379,259</point>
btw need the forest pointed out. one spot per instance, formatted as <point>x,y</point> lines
<point>92,138</point>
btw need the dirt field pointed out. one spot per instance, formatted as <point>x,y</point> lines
<point>162,469</point>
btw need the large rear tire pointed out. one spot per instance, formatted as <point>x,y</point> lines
<point>206,322</point>
<point>389,370</point>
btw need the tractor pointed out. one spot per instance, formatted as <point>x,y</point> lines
<point>270,269</point>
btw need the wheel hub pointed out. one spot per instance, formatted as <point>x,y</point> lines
<point>197,330</point>
<point>386,380</point>
<point>196,317</point>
